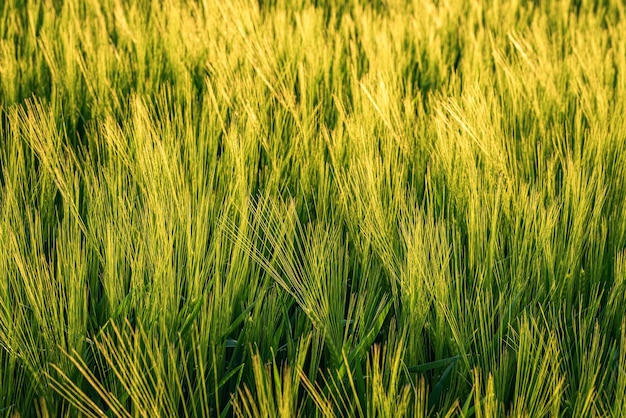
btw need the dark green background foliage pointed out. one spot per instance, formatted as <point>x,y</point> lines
<point>313,208</point>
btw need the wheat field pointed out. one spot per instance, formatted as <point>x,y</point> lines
<point>312,208</point>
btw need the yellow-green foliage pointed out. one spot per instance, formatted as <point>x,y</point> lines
<point>312,208</point>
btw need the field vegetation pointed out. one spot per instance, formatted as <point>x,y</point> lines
<point>329,208</point>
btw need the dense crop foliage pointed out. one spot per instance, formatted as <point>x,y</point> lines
<point>312,208</point>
